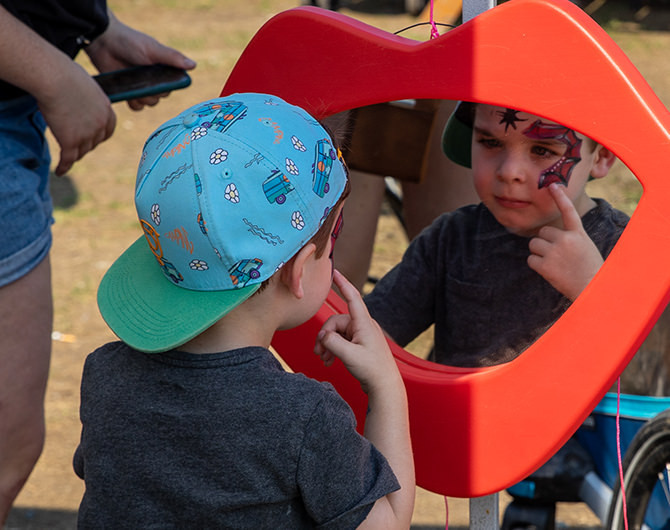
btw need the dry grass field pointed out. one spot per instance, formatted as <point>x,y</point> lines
<point>95,217</point>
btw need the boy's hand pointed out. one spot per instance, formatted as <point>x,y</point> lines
<point>357,340</point>
<point>567,258</point>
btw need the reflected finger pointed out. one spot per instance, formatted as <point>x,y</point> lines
<point>538,246</point>
<point>571,219</point>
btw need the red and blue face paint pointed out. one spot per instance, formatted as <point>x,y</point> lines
<point>335,233</point>
<point>559,171</point>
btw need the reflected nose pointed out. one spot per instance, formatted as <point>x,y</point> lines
<point>511,168</point>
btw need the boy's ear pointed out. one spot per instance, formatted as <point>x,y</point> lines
<point>292,272</point>
<point>602,163</point>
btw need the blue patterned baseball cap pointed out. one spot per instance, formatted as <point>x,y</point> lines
<point>226,193</point>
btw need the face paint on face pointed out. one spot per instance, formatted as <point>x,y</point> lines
<point>335,233</point>
<point>509,117</point>
<point>560,171</point>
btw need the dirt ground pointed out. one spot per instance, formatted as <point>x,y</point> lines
<point>95,219</point>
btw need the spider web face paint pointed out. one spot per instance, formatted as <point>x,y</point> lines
<point>509,117</point>
<point>559,171</point>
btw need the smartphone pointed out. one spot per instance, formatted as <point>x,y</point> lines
<point>141,81</point>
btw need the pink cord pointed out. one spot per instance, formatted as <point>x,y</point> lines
<point>433,28</point>
<point>618,453</point>
<point>446,502</point>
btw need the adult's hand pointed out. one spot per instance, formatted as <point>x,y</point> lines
<point>121,46</point>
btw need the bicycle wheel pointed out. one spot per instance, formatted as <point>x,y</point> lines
<point>646,469</point>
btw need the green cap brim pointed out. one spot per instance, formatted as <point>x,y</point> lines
<point>457,135</point>
<point>149,312</point>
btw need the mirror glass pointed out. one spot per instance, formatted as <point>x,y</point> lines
<point>495,304</point>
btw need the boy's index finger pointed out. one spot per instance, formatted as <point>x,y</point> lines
<point>350,294</point>
<point>569,214</point>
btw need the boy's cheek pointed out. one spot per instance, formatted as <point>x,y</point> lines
<point>479,180</point>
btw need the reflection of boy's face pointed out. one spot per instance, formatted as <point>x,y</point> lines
<point>515,156</point>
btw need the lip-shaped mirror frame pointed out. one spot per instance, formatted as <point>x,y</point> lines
<point>477,431</point>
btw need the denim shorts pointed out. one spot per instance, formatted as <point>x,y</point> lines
<point>25,202</point>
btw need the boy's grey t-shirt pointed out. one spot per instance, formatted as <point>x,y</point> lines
<point>469,276</point>
<point>228,440</point>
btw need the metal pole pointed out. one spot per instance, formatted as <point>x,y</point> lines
<point>484,511</point>
<point>472,8</point>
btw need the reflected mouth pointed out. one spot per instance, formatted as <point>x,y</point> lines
<point>509,202</point>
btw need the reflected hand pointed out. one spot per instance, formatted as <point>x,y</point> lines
<point>567,258</point>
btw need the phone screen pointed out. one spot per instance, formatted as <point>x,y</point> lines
<point>141,81</point>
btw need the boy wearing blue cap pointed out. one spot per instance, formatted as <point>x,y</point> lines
<point>190,421</point>
<point>494,276</point>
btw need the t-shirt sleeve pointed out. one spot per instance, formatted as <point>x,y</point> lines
<point>78,463</point>
<point>604,225</point>
<point>340,473</point>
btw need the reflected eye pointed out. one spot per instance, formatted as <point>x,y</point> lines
<point>488,143</point>
<point>544,151</point>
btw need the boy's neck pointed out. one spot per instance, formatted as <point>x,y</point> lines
<point>584,204</point>
<point>252,323</point>
<point>205,343</point>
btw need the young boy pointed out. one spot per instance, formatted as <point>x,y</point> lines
<point>190,421</point>
<point>494,276</point>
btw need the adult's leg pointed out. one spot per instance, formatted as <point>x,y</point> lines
<point>444,186</point>
<point>26,315</point>
<point>355,243</point>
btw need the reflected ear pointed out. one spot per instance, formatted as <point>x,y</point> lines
<point>603,161</point>
<point>293,272</point>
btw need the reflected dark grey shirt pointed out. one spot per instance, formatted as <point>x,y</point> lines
<point>469,276</point>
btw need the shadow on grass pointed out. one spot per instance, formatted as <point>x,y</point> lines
<point>631,15</point>
<point>40,519</point>
<point>64,193</point>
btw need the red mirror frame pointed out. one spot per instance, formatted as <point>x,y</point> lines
<point>477,431</point>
